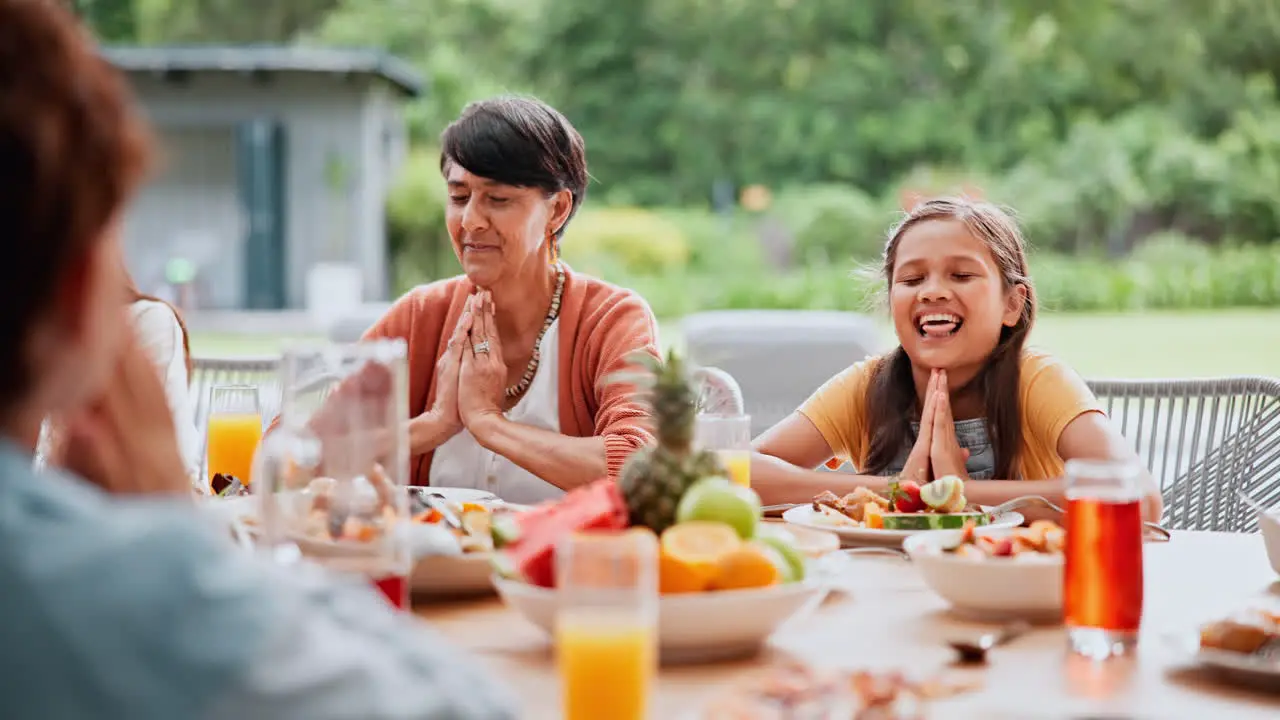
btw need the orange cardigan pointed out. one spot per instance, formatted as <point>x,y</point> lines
<point>600,325</point>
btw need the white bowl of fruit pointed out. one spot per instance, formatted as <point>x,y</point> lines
<point>995,573</point>
<point>726,580</point>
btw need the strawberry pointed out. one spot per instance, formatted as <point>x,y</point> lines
<point>904,497</point>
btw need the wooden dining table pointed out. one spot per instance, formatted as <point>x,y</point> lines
<point>886,618</point>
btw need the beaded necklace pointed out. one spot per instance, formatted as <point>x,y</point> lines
<point>552,313</point>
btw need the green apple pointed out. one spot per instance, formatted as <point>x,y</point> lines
<point>781,540</point>
<point>716,499</point>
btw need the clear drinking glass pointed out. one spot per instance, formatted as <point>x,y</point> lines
<point>607,623</point>
<point>729,436</point>
<point>1102,584</point>
<point>233,433</point>
<point>333,470</point>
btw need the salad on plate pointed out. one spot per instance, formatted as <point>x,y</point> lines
<point>938,505</point>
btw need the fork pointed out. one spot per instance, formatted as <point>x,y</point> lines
<point>1025,500</point>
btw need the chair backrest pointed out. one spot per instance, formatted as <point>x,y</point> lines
<point>719,392</point>
<point>1203,440</point>
<point>209,373</point>
<point>779,357</point>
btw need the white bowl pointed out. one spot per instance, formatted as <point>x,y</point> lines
<point>1269,524</point>
<point>692,627</point>
<point>1028,587</point>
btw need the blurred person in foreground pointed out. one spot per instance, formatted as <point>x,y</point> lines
<point>116,599</point>
<point>509,362</point>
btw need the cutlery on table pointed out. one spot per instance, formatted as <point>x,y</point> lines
<point>1026,500</point>
<point>975,650</point>
<point>780,508</point>
<point>876,550</point>
<point>437,502</point>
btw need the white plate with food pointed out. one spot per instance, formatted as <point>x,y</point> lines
<point>866,517</point>
<point>446,561</point>
<point>995,573</point>
<point>461,495</point>
<point>692,627</point>
<point>456,561</point>
<point>1243,648</point>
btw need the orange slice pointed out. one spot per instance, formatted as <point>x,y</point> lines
<point>678,576</point>
<point>749,566</point>
<point>699,541</point>
<point>690,552</point>
<point>873,517</point>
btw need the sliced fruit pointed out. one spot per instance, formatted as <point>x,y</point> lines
<point>717,499</point>
<point>677,575</point>
<point>905,497</point>
<point>597,506</point>
<point>478,522</point>
<point>751,565</point>
<point>942,492</point>
<point>873,517</point>
<point>504,529</point>
<point>700,541</point>
<point>930,521</point>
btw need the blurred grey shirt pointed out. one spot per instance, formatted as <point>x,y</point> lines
<point>140,608</point>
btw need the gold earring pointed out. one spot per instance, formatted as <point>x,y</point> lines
<point>554,245</point>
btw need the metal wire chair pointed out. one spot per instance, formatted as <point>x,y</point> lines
<point>719,392</point>
<point>1204,441</point>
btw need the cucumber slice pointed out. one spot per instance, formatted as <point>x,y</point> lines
<point>942,492</point>
<point>931,521</point>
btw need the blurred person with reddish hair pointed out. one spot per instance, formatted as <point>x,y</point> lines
<point>118,599</point>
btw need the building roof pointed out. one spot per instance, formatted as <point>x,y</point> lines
<point>259,58</point>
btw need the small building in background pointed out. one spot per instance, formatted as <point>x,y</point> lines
<point>276,164</point>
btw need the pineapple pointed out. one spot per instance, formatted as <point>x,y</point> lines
<point>656,477</point>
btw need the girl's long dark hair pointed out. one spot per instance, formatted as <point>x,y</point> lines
<point>891,396</point>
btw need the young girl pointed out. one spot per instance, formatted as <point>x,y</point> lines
<point>162,333</point>
<point>960,395</point>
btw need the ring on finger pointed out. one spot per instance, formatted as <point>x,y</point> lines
<point>481,347</point>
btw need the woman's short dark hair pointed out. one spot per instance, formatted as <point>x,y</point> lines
<point>72,150</point>
<point>519,141</point>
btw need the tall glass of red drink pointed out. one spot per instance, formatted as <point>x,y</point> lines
<point>1102,585</point>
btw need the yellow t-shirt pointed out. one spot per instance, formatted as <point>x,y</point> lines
<point>1052,395</point>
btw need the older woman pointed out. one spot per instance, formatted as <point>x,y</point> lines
<point>110,578</point>
<point>509,361</point>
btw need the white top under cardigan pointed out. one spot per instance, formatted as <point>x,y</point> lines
<point>463,462</point>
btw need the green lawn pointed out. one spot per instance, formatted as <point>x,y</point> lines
<point>1131,345</point>
<point>1228,342</point>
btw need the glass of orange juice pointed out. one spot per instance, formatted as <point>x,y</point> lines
<point>607,623</point>
<point>729,436</point>
<point>235,429</point>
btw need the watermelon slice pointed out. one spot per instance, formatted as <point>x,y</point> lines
<point>931,521</point>
<point>530,537</point>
